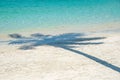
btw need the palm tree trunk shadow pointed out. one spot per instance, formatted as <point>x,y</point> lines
<point>100,61</point>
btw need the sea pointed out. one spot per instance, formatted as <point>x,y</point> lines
<point>57,15</point>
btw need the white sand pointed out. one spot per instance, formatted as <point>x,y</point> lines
<point>52,63</point>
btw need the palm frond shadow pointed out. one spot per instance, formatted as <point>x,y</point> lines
<point>66,41</point>
<point>57,40</point>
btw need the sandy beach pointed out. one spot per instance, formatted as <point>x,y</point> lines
<point>59,39</point>
<point>93,59</point>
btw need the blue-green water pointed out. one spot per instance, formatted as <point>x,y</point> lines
<point>16,15</point>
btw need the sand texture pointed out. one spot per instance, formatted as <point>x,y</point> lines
<point>97,59</point>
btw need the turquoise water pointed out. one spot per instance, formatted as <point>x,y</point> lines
<point>16,15</point>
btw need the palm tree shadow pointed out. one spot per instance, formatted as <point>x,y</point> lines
<point>66,41</point>
<point>100,61</point>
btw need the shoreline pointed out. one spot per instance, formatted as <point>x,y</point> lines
<point>56,31</point>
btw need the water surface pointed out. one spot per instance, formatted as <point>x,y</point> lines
<point>25,15</point>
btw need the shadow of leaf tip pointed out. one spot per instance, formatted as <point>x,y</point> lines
<point>39,35</point>
<point>15,35</point>
<point>26,47</point>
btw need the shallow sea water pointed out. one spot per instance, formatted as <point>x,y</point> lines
<point>55,15</point>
